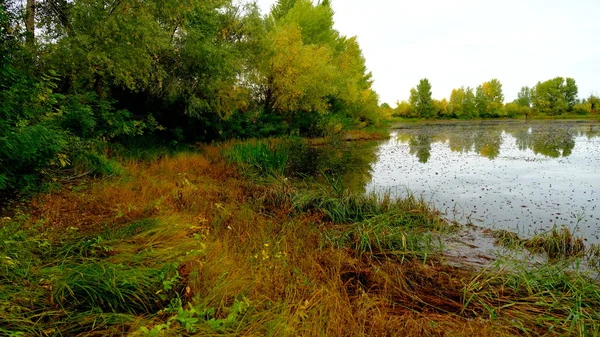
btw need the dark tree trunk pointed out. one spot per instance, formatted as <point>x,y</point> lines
<point>30,21</point>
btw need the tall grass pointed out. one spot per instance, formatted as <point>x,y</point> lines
<point>112,288</point>
<point>546,299</point>
<point>557,243</point>
<point>184,245</point>
<point>262,157</point>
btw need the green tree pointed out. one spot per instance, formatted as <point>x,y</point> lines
<point>462,103</point>
<point>310,74</point>
<point>30,137</point>
<point>421,101</point>
<point>404,109</point>
<point>555,96</point>
<point>300,75</point>
<point>441,108</point>
<point>524,97</point>
<point>570,90</point>
<point>455,105</point>
<point>594,102</point>
<point>489,99</point>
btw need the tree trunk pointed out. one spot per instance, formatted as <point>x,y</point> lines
<point>30,21</point>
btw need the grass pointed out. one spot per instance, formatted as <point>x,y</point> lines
<point>557,243</point>
<point>187,244</point>
<point>263,157</point>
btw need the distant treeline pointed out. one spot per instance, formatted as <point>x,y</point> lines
<point>557,96</point>
<point>77,75</point>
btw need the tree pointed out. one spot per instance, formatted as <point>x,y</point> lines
<point>555,96</point>
<point>469,109</point>
<point>455,105</point>
<point>489,99</point>
<point>524,97</point>
<point>594,102</point>
<point>441,108</point>
<point>311,75</point>
<point>403,109</point>
<point>570,90</point>
<point>462,103</point>
<point>421,101</point>
<point>300,75</point>
<point>30,21</point>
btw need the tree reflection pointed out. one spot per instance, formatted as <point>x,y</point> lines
<point>545,138</point>
<point>420,145</point>
<point>343,163</point>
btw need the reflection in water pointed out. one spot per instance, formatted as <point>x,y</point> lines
<point>542,174</point>
<point>343,162</point>
<point>549,142</point>
<point>487,139</point>
<point>420,145</point>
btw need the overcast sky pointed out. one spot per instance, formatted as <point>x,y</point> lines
<point>458,43</point>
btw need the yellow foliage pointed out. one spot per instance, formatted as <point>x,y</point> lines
<point>301,74</point>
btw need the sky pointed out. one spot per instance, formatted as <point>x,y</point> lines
<point>456,43</point>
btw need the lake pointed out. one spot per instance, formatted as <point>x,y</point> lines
<point>521,176</point>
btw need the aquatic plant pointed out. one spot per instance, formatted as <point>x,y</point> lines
<point>557,243</point>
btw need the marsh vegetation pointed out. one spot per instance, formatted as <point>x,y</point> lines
<point>232,240</point>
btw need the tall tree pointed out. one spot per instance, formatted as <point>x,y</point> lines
<point>570,91</point>
<point>30,21</point>
<point>455,105</point>
<point>421,101</point>
<point>489,99</point>
<point>524,97</point>
<point>555,96</point>
<point>462,103</point>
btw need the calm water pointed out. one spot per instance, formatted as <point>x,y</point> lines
<point>525,177</point>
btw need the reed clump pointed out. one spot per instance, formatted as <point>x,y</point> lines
<point>557,243</point>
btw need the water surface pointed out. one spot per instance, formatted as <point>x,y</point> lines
<point>521,176</point>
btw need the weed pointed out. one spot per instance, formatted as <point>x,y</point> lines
<point>262,157</point>
<point>508,239</point>
<point>557,243</point>
<point>110,287</point>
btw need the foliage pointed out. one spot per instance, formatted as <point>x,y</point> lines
<point>555,96</point>
<point>489,99</point>
<point>404,109</point>
<point>421,101</point>
<point>263,157</point>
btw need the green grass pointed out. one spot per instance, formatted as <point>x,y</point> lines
<point>557,243</point>
<point>557,299</point>
<point>262,157</point>
<point>112,288</point>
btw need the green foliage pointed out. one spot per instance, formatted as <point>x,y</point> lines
<point>307,71</point>
<point>263,157</point>
<point>489,99</point>
<point>197,318</point>
<point>555,96</point>
<point>110,287</point>
<point>403,109</point>
<point>516,110</point>
<point>524,97</point>
<point>462,103</point>
<point>421,101</point>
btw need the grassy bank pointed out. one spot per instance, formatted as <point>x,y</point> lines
<point>223,241</point>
